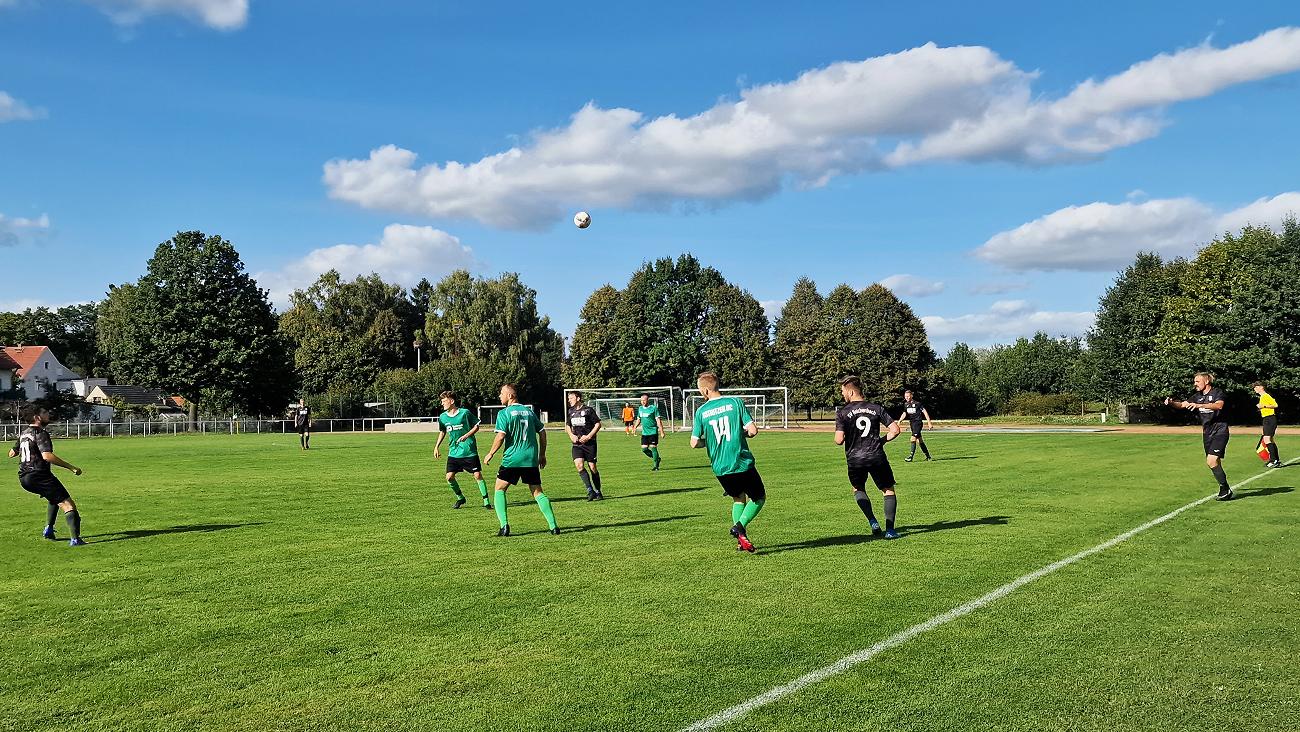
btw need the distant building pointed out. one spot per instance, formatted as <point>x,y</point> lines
<point>31,368</point>
<point>133,396</point>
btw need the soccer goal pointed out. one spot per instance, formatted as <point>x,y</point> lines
<point>487,413</point>
<point>609,401</point>
<point>768,405</point>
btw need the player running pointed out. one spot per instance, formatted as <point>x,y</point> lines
<point>582,424</point>
<point>302,423</point>
<point>721,425</point>
<point>1268,423</point>
<point>916,416</point>
<point>524,437</point>
<point>36,449</point>
<point>857,428</point>
<point>629,416</point>
<point>458,426</point>
<point>651,422</point>
<point>1207,402</point>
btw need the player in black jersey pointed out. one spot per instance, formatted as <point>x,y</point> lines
<point>36,450</point>
<point>582,424</point>
<point>302,423</point>
<point>1207,402</point>
<point>917,417</point>
<point>857,428</point>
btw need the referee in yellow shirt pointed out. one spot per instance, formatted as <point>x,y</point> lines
<point>1268,413</point>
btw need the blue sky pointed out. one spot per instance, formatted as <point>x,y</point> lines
<point>982,176</point>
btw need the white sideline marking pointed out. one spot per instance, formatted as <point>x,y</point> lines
<point>853,659</point>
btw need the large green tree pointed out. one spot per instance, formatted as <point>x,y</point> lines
<point>198,326</point>
<point>591,362</point>
<point>69,331</point>
<point>795,348</point>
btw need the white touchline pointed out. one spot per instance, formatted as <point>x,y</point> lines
<point>844,664</point>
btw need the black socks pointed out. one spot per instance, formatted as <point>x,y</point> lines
<point>51,513</point>
<point>586,479</point>
<point>891,510</point>
<point>74,523</point>
<point>1220,476</point>
<point>864,503</point>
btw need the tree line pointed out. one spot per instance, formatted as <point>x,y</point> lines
<point>195,324</point>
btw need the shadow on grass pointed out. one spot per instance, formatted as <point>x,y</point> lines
<point>146,533</point>
<point>615,497</point>
<point>957,457</point>
<point>621,524</point>
<point>904,531</point>
<point>685,467</point>
<point>1273,491</point>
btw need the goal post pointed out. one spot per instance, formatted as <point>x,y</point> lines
<point>609,401</point>
<point>768,405</point>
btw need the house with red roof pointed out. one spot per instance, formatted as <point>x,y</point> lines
<point>31,368</point>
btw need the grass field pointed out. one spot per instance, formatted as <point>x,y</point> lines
<point>236,583</point>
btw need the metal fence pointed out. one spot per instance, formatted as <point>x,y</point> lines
<point>228,426</point>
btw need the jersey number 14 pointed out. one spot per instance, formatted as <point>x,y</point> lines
<point>721,429</point>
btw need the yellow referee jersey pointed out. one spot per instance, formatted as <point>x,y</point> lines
<point>1267,405</point>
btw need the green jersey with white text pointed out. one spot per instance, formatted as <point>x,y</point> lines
<point>520,425</point>
<point>648,416</point>
<point>456,427</point>
<point>721,423</point>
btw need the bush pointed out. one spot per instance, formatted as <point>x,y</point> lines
<point>1031,404</point>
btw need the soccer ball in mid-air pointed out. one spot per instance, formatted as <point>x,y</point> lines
<point>582,219</point>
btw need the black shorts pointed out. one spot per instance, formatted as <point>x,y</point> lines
<point>304,428</point>
<point>1270,425</point>
<point>1216,440</point>
<point>628,423</point>
<point>650,440</point>
<point>529,476</point>
<point>44,485</point>
<point>881,474</point>
<point>586,451</point>
<point>916,428</point>
<point>464,465</point>
<point>748,483</point>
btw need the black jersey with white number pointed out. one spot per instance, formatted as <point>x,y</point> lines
<point>32,442</point>
<point>301,416</point>
<point>861,422</point>
<point>582,419</point>
<point>1210,418</point>
<point>914,412</point>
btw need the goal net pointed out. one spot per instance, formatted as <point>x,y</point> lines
<point>487,413</point>
<point>609,402</point>
<point>768,405</point>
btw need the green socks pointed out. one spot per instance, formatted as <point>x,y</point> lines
<point>654,453</point>
<point>482,490</point>
<point>737,509</point>
<point>544,504</point>
<point>751,510</point>
<point>455,488</point>
<point>499,498</point>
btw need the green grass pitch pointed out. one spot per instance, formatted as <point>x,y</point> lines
<point>236,583</point>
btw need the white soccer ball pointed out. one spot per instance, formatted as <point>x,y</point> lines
<point>582,219</point>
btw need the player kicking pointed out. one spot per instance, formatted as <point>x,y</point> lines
<point>459,426</point>
<point>524,437</point>
<point>36,449</point>
<point>1207,401</point>
<point>582,424</point>
<point>721,425</point>
<point>1267,407</point>
<point>857,428</point>
<point>302,423</point>
<point>651,422</point>
<point>917,417</point>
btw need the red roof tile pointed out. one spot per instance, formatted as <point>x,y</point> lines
<point>23,357</point>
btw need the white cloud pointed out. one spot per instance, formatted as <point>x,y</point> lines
<point>17,231</point>
<point>403,255</point>
<point>1005,320</point>
<point>12,110</point>
<point>906,285</point>
<point>997,288</point>
<point>218,14</point>
<point>1106,236</point>
<point>923,104</point>
<point>772,308</point>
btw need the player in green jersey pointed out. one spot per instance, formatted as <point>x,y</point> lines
<point>458,426</point>
<point>722,426</point>
<point>651,422</point>
<point>523,436</point>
